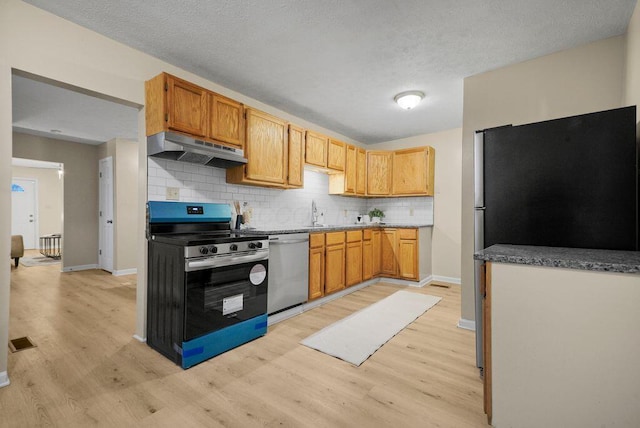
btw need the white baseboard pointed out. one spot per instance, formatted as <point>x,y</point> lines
<point>124,272</point>
<point>139,339</point>
<point>79,267</point>
<point>448,279</point>
<point>408,283</point>
<point>467,324</point>
<point>4,379</point>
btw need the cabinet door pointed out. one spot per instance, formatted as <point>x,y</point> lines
<point>353,267</point>
<point>412,174</point>
<point>186,107</point>
<point>334,268</point>
<point>388,259</point>
<point>336,155</point>
<point>266,148</point>
<point>226,120</point>
<point>316,149</point>
<point>376,249</point>
<point>361,172</point>
<point>379,168</point>
<point>350,170</point>
<point>367,259</point>
<point>296,156</point>
<point>408,259</point>
<point>316,273</point>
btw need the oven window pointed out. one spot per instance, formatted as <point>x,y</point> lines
<point>220,297</point>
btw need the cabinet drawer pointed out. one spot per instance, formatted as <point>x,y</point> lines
<point>316,240</point>
<point>366,234</point>
<point>408,233</point>
<point>333,238</point>
<point>354,236</point>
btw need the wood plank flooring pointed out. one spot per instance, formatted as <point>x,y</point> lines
<point>87,370</point>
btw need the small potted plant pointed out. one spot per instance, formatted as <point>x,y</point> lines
<point>376,215</point>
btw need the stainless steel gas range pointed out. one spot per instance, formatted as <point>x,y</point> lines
<point>207,287</point>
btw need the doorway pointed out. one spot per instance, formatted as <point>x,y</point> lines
<point>24,214</point>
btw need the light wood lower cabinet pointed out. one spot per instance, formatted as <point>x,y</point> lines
<point>334,277</point>
<point>389,253</point>
<point>353,271</point>
<point>316,265</point>
<point>338,260</point>
<point>408,254</point>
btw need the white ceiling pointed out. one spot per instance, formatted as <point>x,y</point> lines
<point>339,63</point>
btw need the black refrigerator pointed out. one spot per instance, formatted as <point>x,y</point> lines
<point>569,182</point>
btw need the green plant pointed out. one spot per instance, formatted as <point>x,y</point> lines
<point>376,213</point>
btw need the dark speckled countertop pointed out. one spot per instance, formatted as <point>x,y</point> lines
<point>276,230</point>
<point>571,258</point>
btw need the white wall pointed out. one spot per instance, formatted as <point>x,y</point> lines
<point>446,200</point>
<point>585,79</point>
<point>565,347</point>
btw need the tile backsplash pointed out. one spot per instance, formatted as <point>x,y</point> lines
<point>275,207</point>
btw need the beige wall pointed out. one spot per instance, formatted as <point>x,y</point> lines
<point>632,80</point>
<point>581,80</point>
<point>37,42</point>
<point>124,154</point>
<point>446,204</point>
<point>80,225</point>
<point>586,373</point>
<point>50,197</point>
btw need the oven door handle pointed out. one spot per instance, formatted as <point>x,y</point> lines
<point>213,262</point>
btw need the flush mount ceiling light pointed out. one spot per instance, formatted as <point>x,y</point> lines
<point>408,100</point>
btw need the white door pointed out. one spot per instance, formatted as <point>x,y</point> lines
<point>24,216</point>
<point>105,253</point>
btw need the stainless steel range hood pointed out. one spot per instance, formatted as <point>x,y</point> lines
<point>181,148</point>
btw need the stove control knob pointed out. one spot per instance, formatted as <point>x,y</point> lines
<point>252,245</point>
<point>204,250</point>
<point>213,250</point>
<point>233,247</point>
<point>258,244</point>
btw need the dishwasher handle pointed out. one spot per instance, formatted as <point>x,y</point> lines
<point>276,241</point>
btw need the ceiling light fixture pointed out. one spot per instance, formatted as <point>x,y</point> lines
<point>408,100</point>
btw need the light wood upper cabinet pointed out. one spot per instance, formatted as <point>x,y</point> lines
<point>316,149</point>
<point>226,120</point>
<point>413,171</point>
<point>361,171</point>
<point>295,176</point>
<point>336,155</point>
<point>266,150</point>
<point>379,170</point>
<point>173,104</point>
<point>350,170</point>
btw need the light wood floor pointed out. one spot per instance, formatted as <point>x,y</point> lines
<point>87,370</point>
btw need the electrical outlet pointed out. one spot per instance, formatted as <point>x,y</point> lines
<point>173,194</point>
<point>411,212</point>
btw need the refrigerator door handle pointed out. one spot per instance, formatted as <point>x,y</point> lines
<point>478,168</point>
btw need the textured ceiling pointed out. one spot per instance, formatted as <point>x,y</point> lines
<point>339,63</point>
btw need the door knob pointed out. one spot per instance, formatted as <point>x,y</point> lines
<point>110,221</point>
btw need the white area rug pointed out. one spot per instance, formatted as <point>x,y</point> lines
<point>356,337</point>
<point>38,261</point>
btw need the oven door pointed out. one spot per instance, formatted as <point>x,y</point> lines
<point>220,297</point>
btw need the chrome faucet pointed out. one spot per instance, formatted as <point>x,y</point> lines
<point>314,213</point>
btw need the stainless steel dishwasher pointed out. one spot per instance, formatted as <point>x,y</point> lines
<point>288,271</point>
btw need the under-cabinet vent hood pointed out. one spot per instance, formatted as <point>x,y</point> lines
<point>181,148</point>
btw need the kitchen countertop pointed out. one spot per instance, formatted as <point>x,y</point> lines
<point>571,258</point>
<point>276,230</point>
